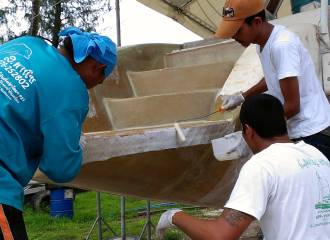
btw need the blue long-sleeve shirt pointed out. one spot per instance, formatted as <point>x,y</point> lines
<point>43,103</point>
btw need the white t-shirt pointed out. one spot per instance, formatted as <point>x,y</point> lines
<point>287,188</point>
<point>284,56</point>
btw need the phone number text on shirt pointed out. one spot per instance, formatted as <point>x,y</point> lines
<point>17,71</point>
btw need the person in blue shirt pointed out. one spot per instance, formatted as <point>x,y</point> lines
<point>43,103</point>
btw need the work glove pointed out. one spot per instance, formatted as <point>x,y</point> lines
<point>165,222</point>
<point>231,101</point>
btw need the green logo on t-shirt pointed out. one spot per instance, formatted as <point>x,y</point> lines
<point>306,163</point>
<point>324,193</point>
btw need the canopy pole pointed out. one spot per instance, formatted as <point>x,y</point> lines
<point>118,23</point>
<point>122,198</point>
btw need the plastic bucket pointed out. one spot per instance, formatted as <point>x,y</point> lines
<point>61,202</point>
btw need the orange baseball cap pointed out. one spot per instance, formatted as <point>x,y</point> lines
<point>234,13</point>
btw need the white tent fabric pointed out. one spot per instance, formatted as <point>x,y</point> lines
<point>200,16</point>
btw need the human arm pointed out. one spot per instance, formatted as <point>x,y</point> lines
<point>286,61</point>
<point>62,155</point>
<point>260,87</point>
<point>229,226</point>
<point>248,201</point>
<point>290,91</point>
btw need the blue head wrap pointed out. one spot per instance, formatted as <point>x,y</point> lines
<point>85,44</point>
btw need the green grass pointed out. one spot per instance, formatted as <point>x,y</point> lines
<point>41,226</point>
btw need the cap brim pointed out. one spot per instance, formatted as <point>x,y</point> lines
<point>228,28</point>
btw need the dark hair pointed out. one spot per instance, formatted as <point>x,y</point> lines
<point>67,45</point>
<point>265,114</point>
<point>261,14</point>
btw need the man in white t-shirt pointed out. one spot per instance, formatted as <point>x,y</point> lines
<point>288,69</point>
<point>285,185</point>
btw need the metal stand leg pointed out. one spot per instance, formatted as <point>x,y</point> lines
<point>148,225</point>
<point>122,218</point>
<point>99,220</point>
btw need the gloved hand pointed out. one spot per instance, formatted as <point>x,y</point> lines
<point>165,222</point>
<point>232,101</point>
